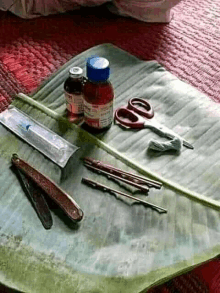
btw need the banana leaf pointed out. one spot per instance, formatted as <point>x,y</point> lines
<point>120,246</point>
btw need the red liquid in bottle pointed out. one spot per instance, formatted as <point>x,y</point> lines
<point>73,87</point>
<point>98,95</point>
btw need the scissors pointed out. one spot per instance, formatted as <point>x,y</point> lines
<point>132,117</point>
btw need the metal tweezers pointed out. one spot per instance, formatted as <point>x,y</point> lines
<point>36,185</point>
<point>137,181</point>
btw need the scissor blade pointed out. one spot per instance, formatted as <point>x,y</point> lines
<point>165,132</point>
<point>188,145</point>
<point>185,143</point>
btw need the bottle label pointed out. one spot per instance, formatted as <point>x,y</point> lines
<point>74,103</point>
<point>98,116</point>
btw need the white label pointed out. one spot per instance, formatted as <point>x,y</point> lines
<point>98,116</point>
<point>74,103</point>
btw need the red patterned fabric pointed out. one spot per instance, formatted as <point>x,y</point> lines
<point>31,50</point>
<point>203,279</point>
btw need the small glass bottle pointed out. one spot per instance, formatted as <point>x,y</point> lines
<point>73,88</point>
<point>98,96</point>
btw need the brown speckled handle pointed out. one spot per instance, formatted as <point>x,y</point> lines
<point>66,203</point>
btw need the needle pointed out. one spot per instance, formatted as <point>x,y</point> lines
<point>106,188</point>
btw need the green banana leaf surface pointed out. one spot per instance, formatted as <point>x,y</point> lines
<point>119,246</point>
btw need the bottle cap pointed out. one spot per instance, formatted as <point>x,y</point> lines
<point>97,69</point>
<point>75,72</point>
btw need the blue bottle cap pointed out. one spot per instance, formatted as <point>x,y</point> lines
<point>97,69</point>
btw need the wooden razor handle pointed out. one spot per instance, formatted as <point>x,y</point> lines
<point>66,203</point>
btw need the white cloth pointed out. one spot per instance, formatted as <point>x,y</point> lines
<point>145,10</point>
<point>6,4</point>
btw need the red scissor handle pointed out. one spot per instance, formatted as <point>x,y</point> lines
<point>148,111</point>
<point>127,118</point>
